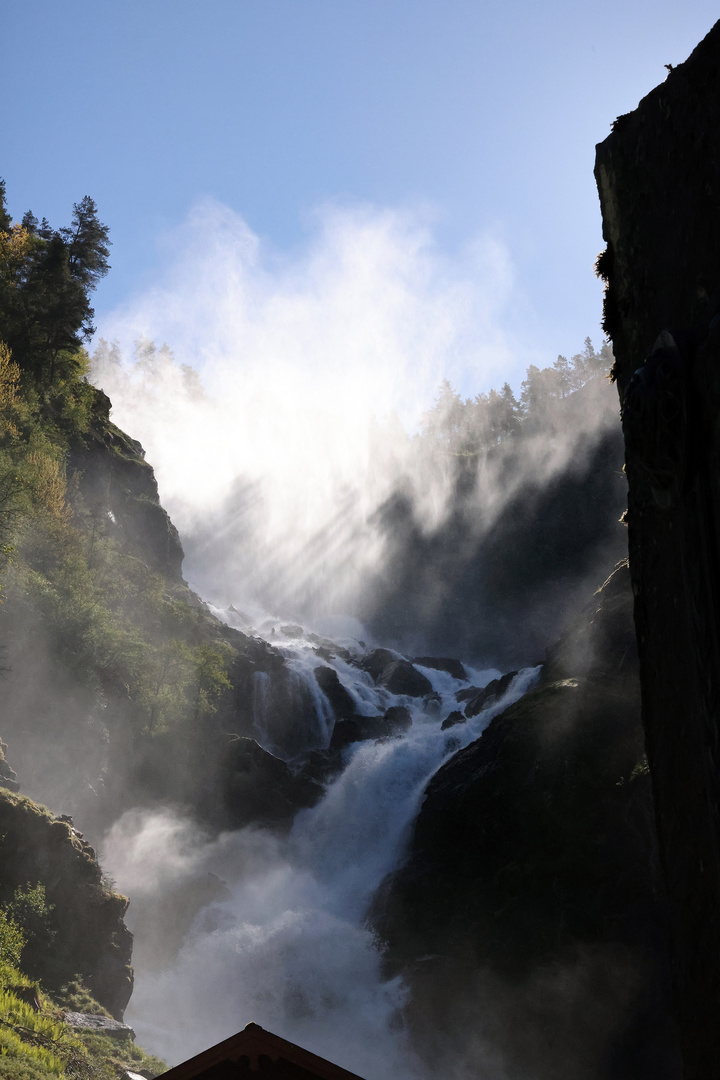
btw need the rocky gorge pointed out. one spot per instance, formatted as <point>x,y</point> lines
<point>409,858</point>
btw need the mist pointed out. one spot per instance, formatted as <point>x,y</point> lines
<point>282,400</point>
<point>250,925</point>
<point>279,398</point>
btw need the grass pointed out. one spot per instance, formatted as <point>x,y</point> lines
<point>40,1046</point>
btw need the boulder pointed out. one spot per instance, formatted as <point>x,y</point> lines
<point>328,649</point>
<point>291,630</point>
<point>397,720</point>
<point>97,1024</point>
<point>357,729</point>
<point>432,705</point>
<point>454,718</point>
<point>442,663</point>
<point>320,766</point>
<point>340,699</point>
<point>376,661</point>
<point>491,693</point>
<point>400,677</point>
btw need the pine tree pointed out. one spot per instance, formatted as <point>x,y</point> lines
<point>46,277</point>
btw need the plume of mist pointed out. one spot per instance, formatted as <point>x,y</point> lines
<point>285,417</point>
<point>270,945</point>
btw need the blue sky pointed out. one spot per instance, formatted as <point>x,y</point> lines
<point>479,116</point>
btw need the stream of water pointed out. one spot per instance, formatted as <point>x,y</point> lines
<point>286,943</point>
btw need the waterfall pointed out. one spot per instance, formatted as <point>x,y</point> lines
<point>285,942</point>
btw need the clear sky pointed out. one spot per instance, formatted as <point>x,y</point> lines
<point>482,114</point>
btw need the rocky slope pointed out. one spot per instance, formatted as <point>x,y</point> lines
<point>496,592</point>
<point>85,935</point>
<point>530,917</point>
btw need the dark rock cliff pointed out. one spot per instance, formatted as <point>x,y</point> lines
<point>658,177</point>
<point>119,488</point>
<point>496,593</point>
<point>86,933</point>
<point>529,917</point>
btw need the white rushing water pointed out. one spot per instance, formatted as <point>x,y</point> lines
<point>286,945</point>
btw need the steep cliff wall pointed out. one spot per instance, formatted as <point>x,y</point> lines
<point>530,918</point>
<point>658,176</point>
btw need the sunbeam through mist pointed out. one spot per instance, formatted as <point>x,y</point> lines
<point>283,421</point>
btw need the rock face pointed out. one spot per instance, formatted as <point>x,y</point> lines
<point>455,717</point>
<point>340,700</point>
<point>499,596</point>
<point>396,721</point>
<point>98,1025</point>
<point>489,694</point>
<point>442,663</point>
<point>395,673</point>
<point>260,789</point>
<point>658,176</point>
<point>115,477</point>
<point>90,937</point>
<point>532,882</point>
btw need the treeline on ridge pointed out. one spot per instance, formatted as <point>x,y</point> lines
<point>478,424</point>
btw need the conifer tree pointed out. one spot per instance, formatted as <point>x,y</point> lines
<point>46,277</point>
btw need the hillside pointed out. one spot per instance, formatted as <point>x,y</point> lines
<point>532,872</point>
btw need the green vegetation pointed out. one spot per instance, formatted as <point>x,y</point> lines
<point>478,424</point>
<point>36,1044</point>
<point>30,912</point>
<point>76,598</point>
<point>38,946</point>
<point>115,621</point>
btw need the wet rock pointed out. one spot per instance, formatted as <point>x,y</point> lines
<point>395,673</point>
<point>357,729</point>
<point>534,853</point>
<point>340,699</point>
<point>327,649</point>
<point>442,663</point>
<point>292,630</point>
<point>454,718</point>
<point>401,678</point>
<point>489,694</point>
<point>261,789</point>
<point>97,1024</point>
<point>397,720</point>
<point>394,723</point>
<point>242,618</point>
<point>377,661</point>
<point>432,704</point>
<point>320,766</point>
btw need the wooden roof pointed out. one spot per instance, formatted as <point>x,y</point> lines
<point>255,1053</point>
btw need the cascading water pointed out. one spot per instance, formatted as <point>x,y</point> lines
<point>286,945</point>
